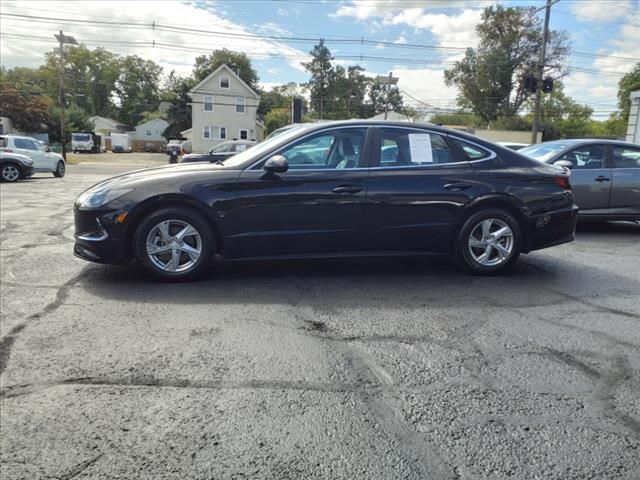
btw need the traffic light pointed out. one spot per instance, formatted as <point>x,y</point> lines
<point>530,83</point>
<point>547,85</point>
<point>297,110</point>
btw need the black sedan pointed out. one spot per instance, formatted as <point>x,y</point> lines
<point>605,175</point>
<point>14,166</point>
<point>220,152</point>
<point>337,189</point>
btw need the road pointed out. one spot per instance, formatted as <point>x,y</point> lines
<point>344,369</point>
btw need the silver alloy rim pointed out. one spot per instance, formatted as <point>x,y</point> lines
<point>491,242</point>
<point>10,173</point>
<point>174,246</point>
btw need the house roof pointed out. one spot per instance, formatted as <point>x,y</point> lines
<point>188,130</point>
<point>153,120</point>
<point>231,72</point>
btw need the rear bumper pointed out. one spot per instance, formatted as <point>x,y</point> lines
<point>553,228</point>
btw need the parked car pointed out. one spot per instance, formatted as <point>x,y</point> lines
<point>220,152</point>
<point>174,143</point>
<point>44,160</point>
<point>514,145</point>
<point>444,191</point>
<point>14,166</point>
<point>605,175</point>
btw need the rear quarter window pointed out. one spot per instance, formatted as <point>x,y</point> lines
<point>471,151</point>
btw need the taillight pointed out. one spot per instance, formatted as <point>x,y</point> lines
<point>563,182</point>
<point>8,150</point>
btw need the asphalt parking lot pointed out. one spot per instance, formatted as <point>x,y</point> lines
<point>345,369</point>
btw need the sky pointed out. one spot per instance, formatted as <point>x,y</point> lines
<point>416,40</point>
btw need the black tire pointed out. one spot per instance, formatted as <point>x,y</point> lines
<point>497,261</point>
<point>176,215</point>
<point>10,172</point>
<point>60,170</point>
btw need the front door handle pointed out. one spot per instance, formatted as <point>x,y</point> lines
<point>457,186</point>
<point>602,178</point>
<point>347,189</point>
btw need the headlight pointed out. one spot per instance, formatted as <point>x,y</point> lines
<point>97,197</point>
<point>27,162</point>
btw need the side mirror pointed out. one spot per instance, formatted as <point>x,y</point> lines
<point>564,163</point>
<point>47,149</point>
<point>276,164</point>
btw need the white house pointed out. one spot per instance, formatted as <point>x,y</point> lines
<point>104,125</point>
<point>633,127</point>
<point>224,108</point>
<point>150,130</point>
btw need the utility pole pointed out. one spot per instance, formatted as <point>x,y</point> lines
<point>386,106</point>
<point>387,81</point>
<point>62,39</point>
<point>540,73</point>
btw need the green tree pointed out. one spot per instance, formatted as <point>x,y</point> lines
<point>276,118</point>
<point>76,119</point>
<point>237,61</point>
<point>322,78</point>
<point>380,93</point>
<point>489,78</point>
<point>29,113</point>
<point>463,118</point>
<point>137,88</point>
<point>629,83</point>
<point>179,112</point>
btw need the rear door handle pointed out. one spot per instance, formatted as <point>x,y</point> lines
<point>347,189</point>
<point>457,186</point>
<point>602,178</point>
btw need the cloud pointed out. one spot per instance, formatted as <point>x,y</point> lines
<point>179,55</point>
<point>613,10</point>
<point>400,40</point>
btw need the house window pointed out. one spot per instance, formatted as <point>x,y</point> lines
<point>223,132</point>
<point>240,105</point>
<point>206,132</point>
<point>224,81</point>
<point>148,133</point>
<point>208,104</point>
<point>244,134</point>
<point>215,132</point>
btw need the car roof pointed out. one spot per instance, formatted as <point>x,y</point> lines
<point>578,141</point>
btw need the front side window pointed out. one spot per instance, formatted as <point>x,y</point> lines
<point>208,103</point>
<point>240,105</point>
<point>25,144</point>
<point>337,149</point>
<point>626,157</point>
<point>224,81</point>
<point>241,147</point>
<point>223,148</point>
<point>244,134</point>
<point>586,157</point>
<point>406,148</point>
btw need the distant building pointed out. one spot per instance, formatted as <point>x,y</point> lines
<point>106,126</point>
<point>633,127</point>
<point>224,108</point>
<point>148,136</point>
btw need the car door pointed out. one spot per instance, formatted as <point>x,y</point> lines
<point>31,149</point>
<point>625,181</point>
<point>417,187</point>
<point>590,177</point>
<point>315,207</point>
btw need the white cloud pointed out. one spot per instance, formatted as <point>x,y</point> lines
<point>612,10</point>
<point>364,9</point>
<point>400,40</point>
<point>185,46</point>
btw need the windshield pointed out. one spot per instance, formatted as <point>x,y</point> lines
<point>223,147</point>
<point>80,137</point>
<point>262,147</point>
<point>543,151</point>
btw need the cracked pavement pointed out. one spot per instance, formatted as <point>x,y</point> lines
<point>352,369</point>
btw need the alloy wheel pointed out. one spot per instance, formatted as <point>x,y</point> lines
<point>491,242</point>
<point>10,173</point>
<point>174,246</point>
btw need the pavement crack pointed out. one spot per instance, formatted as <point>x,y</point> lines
<point>78,469</point>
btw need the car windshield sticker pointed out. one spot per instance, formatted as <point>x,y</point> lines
<point>420,146</point>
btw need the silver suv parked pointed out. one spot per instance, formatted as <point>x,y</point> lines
<point>44,160</point>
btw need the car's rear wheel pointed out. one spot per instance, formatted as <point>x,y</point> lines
<point>174,244</point>
<point>488,242</point>
<point>60,170</point>
<point>10,172</point>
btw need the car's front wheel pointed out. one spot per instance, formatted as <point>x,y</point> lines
<point>10,172</point>
<point>488,242</point>
<point>60,170</point>
<point>174,244</point>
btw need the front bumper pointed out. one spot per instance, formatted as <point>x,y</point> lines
<point>99,239</point>
<point>553,228</point>
<point>26,170</point>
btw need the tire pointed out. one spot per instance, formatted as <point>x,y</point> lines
<point>10,172</point>
<point>176,259</point>
<point>479,250</point>
<point>60,170</point>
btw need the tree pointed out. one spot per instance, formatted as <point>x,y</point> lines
<point>276,118</point>
<point>137,88</point>
<point>76,119</point>
<point>179,112</point>
<point>461,117</point>
<point>489,78</point>
<point>28,113</point>
<point>380,93</point>
<point>629,83</point>
<point>237,61</point>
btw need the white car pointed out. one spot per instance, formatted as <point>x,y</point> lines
<point>514,145</point>
<point>44,160</point>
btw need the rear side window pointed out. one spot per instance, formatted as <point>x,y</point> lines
<point>471,151</point>
<point>409,148</point>
<point>626,157</point>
